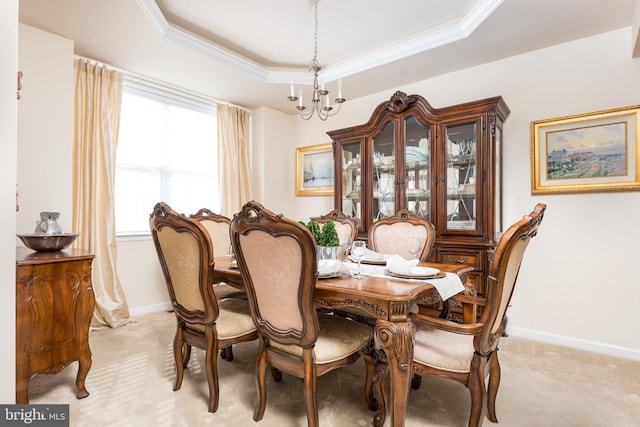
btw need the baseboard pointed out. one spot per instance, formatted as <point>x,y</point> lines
<point>596,347</point>
<point>165,306</point>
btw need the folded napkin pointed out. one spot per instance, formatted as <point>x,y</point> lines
<point>448,286</point>
<point>328,266</point>
<point>399,265</point>
<point>375,256</point>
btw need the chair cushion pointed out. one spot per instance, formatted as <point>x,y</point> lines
<point>339,337</point>
<point>443,350</point>
<point>234,319</point>
<point>223,290</point>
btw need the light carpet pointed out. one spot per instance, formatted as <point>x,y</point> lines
<point>131,384</point>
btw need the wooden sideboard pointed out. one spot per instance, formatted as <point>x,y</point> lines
<point>54,306</point>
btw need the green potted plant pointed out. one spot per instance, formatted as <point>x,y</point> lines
<point>326,237</point>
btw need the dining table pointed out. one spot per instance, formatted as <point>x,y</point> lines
<point>384,300</point>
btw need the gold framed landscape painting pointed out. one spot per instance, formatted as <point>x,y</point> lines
<point>588,152</point>
<point>314,170</point>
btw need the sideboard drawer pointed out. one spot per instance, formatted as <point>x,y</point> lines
<point>472,259</point>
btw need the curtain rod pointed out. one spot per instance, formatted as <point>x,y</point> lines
<point>147,79</point>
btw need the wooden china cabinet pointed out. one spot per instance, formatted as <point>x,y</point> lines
<point>443,164</point>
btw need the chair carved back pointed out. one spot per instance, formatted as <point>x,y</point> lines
<point>218,227</point>
<point>503,275</point>
<point>391,234</point>
<point>277,259</point>
<point>186,257</point>
<point>346,226</point>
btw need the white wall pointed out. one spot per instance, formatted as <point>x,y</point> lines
<point>8,142</point>
<point>274,141</point>
<point>45,128</point>
<point>141,276</point>
<point>578,284</point>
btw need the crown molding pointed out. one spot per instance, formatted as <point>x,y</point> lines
<point>393,52</point>
<point>635,32</point>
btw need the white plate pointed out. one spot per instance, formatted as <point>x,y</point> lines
<point>329,275</point>
<point>376,261</point>
<point>233,264</point>
<point>380,259</point>
<point>417,273</point>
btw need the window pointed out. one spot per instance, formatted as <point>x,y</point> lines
<point>167,151</point>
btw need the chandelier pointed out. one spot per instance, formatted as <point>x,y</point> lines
<point>320,102</point>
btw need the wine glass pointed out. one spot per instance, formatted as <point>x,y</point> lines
<point>358,252</point>
<point>345,249</point>
<point>414,245</point>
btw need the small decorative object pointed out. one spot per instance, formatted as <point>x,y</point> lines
<point>326,238</point>
<point>48,235</point>
<point>48,223</point>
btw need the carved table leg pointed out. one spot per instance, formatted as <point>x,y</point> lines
<point>396,339</point>
<point>381,385</point>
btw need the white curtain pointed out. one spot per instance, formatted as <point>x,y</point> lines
<point>234,154</point>
<point>98,97</point>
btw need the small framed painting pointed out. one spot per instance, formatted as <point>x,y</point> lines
<point>314,170</point>
<point>586,153</point>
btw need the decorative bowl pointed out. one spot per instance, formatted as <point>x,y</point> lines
<point>48,242</point>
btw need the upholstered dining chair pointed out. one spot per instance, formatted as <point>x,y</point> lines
<point>468,353</point>
<point>277,260</point>
<point>391,235</point>
<point>218,228</point>
<point>186,255</point>
<point>346,226</point>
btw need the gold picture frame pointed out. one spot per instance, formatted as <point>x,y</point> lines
<point>314,170</point>
<point>589,152</point>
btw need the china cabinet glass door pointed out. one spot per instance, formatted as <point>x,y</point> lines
<point>461,184</point>
<point>417,168</point>
<point>384,173</point>
<point>352,181</point>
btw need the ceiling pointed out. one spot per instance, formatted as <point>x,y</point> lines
<point>246,52</point>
